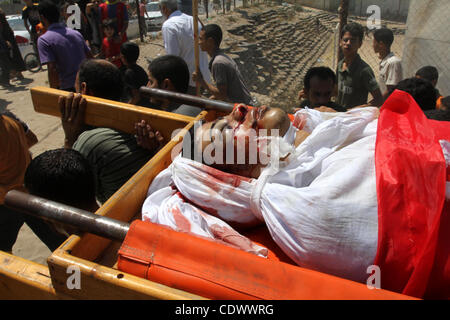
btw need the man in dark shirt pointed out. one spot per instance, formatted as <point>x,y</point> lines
<point>171,73</point>
<point>319,84</point>
<point>229,83</point>
<point>30,17</point>
<point>355,78</point>
<point>134,75</point>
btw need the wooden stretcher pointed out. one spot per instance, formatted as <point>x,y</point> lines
<point>96,257</point>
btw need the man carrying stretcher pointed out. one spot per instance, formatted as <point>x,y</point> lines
<point>338,192</point>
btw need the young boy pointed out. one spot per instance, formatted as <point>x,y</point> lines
<point>355,78</point>
<point>229,82</point>
<point>134,75</point>
<point>391,71</point>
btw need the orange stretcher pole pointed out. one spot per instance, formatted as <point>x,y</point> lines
<point>216,271</point>
<point>197,265</point>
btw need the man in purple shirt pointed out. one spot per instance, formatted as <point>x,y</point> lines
<point>61,48</point>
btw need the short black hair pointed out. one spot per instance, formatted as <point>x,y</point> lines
<point>215,32</point>
<point>173,68</point>
<point>446,102</point>
<point>324,73</point>
<point>429,73</point>
<point>421,90</point>
<point>439,115</point>
<point>102,78</point>
<point>49,10</point>
<point>110,23</point>
<point>130,51</point>
<point>385,36</point>
<point>61,175</point>
<point>355,29</point>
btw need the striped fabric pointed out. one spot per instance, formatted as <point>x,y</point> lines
<point>114,156</point>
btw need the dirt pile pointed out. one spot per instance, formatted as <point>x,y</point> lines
<point>275,47</point>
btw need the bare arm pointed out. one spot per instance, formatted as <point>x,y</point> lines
<point>53,78</point>
<point>72,110</point>
<point>219,92</point>
<point>31,138</point>
<point>389,90</point>
<point>135,96</point>
<point>377,98</point>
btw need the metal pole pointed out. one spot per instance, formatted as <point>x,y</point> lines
<point>195,101</point>
<point>54,211</point>
<point>196,47</point>
<point>343,14</point>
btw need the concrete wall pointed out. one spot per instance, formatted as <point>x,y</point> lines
<point>390,9</point>
<point>427,40</point>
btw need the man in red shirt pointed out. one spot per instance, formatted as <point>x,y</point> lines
<point>142,13</point>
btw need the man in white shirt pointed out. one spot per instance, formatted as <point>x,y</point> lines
<point>178,36</point>
<point>391,71</point>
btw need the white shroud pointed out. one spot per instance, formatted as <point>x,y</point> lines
<point>320,205</point>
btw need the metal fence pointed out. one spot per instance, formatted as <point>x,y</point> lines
<point>427,40</point>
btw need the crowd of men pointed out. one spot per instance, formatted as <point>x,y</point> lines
<point>98,60</point>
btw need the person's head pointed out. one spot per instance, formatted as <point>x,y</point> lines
<point>237,131</point>
<point>28,3</point>
<point>3,17</point>
<point>445,103</point>
<point>421,90</point>
<point>438,115</point>
<point>62,175</point>
<point>351,38</point>
<point>167,7</point>
<point>96,3</point>
<point>429,73</point>
<point>109,28</point>
<point>382,41</point>
<point>99,78</point>
<point>129,53</point>
<point>48,12</point>
<point>210,38</point>
<point>168,72</point>
<point>318,84</point>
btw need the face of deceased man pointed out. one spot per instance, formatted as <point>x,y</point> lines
<point>238,132</point>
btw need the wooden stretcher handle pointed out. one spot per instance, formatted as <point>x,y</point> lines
<point>111,114</point>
